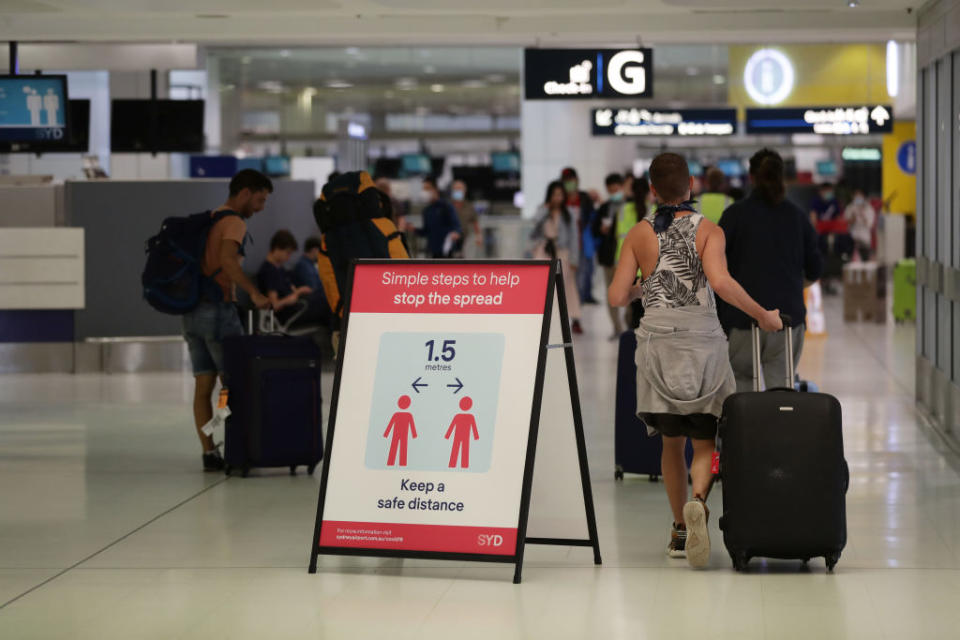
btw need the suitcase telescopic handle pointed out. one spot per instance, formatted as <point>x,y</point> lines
<point>788,353</point>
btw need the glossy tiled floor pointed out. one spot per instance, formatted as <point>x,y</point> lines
<point>108,530</point>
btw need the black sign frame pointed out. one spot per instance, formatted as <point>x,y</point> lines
<point>561,68</point>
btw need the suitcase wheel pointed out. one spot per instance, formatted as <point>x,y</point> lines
<point>310,469</point>
<point>740,561</point>
<point>618,473</point>
<point>832,560</point>
<point>653,477</point>
<point>293,469</point>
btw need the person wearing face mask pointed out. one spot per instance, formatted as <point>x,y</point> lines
<point>441,226</point>
<point>469,220</point>
<point>861,217</point>
<point>554,237</point>
<point>605,230</point>
<point>581,209</point>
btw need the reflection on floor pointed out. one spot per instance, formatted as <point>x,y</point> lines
<point>108,530</point>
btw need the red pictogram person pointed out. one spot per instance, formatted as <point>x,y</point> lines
<point>402,425</point>
<point>462,426</point>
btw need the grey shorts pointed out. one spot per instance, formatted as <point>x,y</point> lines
<point>204,329</point>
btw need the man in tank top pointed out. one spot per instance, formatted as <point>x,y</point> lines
<point>683,367</point>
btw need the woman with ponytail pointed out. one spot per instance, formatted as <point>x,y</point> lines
<point>772,251</point>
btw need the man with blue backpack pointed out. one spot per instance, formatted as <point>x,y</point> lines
<point>193,269</point>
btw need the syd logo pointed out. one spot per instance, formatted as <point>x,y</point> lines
<point>490,540</point>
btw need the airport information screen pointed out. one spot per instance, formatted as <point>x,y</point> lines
<point>33,108</point>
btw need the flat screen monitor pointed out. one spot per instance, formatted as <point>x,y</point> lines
<point>416,164</point>
<point>505,162</point>
<point>167,126</point>
<point>387,167</point>
<point>276,166</point>
<point>827,168</point>
<point>77,139</point>
<point>33,108</point>
<point>695,168</point>
<point>731,167</point>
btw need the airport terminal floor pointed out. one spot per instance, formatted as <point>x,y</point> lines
<point>108,529</point>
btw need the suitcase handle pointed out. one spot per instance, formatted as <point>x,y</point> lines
<point>788,353</point>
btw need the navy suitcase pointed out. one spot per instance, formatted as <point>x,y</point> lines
<point>634,451</point>
<point>784,474</point>
<point>275,403</point>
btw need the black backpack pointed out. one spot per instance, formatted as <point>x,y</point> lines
<point>355,220</point>
<point>173,279</point>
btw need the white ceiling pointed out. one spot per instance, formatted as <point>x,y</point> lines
<point>462,22</point>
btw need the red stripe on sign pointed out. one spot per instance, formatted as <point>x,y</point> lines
<point>495,541</point>
<point>471,288</point>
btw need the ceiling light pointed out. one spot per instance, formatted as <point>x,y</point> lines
<point>271,86</point>
<point>436,88</point>
<point>285,53</point>
<point>893,69</point>
<point>853,4</point>
<point>718,78</point>
<point>406,84</point>
<point>338,84</point>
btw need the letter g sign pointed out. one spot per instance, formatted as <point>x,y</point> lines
<point>628,80</point>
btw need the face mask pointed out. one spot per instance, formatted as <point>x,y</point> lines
<point>458,194</point>
<point>859,200</point>
<point>616,197</point>
<point>570,186</point>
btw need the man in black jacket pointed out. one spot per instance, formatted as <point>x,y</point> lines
<point>772,251</point>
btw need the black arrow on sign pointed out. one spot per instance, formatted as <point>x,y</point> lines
<point>417,384</point>
<point>458,386</point>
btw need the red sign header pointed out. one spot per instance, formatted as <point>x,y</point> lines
<point>457,287</point>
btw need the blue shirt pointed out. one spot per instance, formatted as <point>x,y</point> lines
<point>439,220</point>
<point>305,274</point>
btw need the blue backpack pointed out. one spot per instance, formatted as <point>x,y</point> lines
<point>173,279</point>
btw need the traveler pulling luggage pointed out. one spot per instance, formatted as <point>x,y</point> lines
<point>784,475</point>
<point>634,450</point>
<point>275,403</point>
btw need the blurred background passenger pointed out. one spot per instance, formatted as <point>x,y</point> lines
<point>861,217</point>
<point>555,236</point>
<point>714,200</point>
<point>772,252</point>
<point>472,239</point>
<point>581,209</point>
<point>441,226</point>
<point>605,232</point>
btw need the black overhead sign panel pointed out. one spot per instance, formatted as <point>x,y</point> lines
<point>663,122</point>
<point>843,121</point>
<point>581,74</point>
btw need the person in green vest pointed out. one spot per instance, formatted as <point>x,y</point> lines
<point>714,200</point>
<point>628,214</point>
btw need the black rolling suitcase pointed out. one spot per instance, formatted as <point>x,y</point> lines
<point>275,403</point>
<point>784,475</point>
<point>634,450</point>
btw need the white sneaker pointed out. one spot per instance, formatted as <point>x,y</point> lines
<point>695,515</point>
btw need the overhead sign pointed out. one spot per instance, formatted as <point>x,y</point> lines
<point>664,122</point>
<point>855,120</point>
<point>768,76</point>
<point>572,74</point>
<point>430,447</point>
<point>33,108</point>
